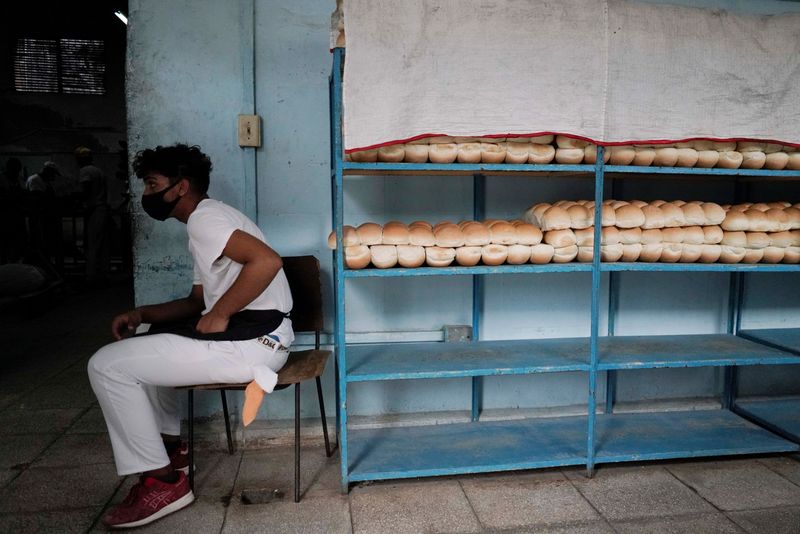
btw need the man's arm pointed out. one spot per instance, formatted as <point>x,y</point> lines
<point>126,323</point>
<point>260,264</point>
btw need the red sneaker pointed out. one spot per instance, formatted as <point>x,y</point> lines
<point>148,500</point>
<point>179,459</point>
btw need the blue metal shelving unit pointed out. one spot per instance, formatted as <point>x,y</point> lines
<point>484,446</point>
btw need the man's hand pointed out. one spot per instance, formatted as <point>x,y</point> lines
<point>125,324</point>
<point>211,323</point>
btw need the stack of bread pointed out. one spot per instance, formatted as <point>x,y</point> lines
<point>674,231</point>
<point>567,150</point>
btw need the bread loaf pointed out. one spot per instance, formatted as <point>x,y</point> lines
<point>475,234</point>
<point>493,153</point>
<point>540,154</point>
<point>782,239</point>
<point>392,153</point>
<point>710,253</point>
<point>630,236</point>
<point>644,156</point>
<point>569,156</point>
<point>753,160</point>
<point>356,256</point>
<point>468,256</point>
<point>565,254</point>
<point>793,164</point>
<point>693,235</point>
<point>527,234</point>
<point>791,255</point>
<point>730,254</point>
<point>776,161</point>
<point>631,252</point>
<point>734,239</point>
<point>410,256</point>
<point>560,238</point>
<point>421,236</point>
<point>666,157</point>
<point>622,155</point>
<point>554,218</point>
<point>653,217</point>
<point>448,235</point>
<point>671,252</point>
<point>673,235</point>
<point>365,156</point>
<point>517,152</point>
<point>563,141</point>
<point>691,253</point>
<point>687,157</point>
<point>415,153</point>
<point>502,233</point>
<point>424,224</point>
<point>580,217</point>
<point>439,140</point>
<point>610,235</point>
<point>494,254</point>
<point>370,234</point>
<point>542,253</point>
<point>518,254</point>
<point>629,216</point>
<point>757,221</point>
<point>724,146</point>
<point>750,146</point>
<point>702,145</point>
<point>542,139</point>
<point>673,215</point>
<point>442,152</point>
<point>585,254</point>
<point>468,152</point>
<point>735,221</point>
<point>694,215</point>
<point>651,236</point>
<point>778,220</point>
<point>395,233</point>
<point>590,155</point>
<point>793,217</point>
<point>712,235</point>
<point>584,237</point>
<point>439,256</point>
<point>651,252</point>
<point>638,203</point>
<point>771,148</point>
<point>707,158</point>
<point>714,213</point>
<point>349,237</point>
<point>773,254</point>
<point>753,255</point>
<point>611,253</point>
<point>383,256</point>
<point>729,160</point>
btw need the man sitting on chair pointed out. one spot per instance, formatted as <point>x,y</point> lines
<point>234,327</point>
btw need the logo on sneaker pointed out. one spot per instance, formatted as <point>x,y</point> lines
<point>156,499</point>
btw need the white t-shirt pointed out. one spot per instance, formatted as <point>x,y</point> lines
<point>210,226</point>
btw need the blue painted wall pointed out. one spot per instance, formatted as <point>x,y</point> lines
<point>192,68</point>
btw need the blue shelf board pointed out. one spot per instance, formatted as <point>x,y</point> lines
<point>478,269</point>
<point>351,167</point>
<point>398,361</point>
<point>478,447</point>
<point>702,350</point>
<point>780,415</point>
<point>779,338</point>
<point>632,169</point>
<point>631,437</point>
<point>701,267</point>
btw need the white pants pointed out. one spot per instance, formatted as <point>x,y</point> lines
<point>134,380</point>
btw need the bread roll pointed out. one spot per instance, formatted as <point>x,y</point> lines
<point>468,256</point>
<point>439,256</point>
<point>519,139</point>
<point>494,254</point>
<point>540,154</point>
<point>651,252</point>
<point>631,252</point>
<point>761,206</point>
<point>569,156</point>
<point>395,233</point>
<point>757,221</point>
<point>644,156</point>
<point>415,153</point>
<point>383,256</point>
<point>542,253</point>
<point>782,239</point>
<point>622,155</point>
<point>448,235</point>
<point>392,153</point>
<point>679,203</point>
<point>580,217</point>
<point>410,256</point>
<point>584,237</point>
<point>629,216</point>
<point>702,145</point>
<point>724,146</point>
<point>773,254</point>
<point>517,152</point>
<point>463,140</point>
<point>421,236</point>
<point>793,217</point>
<point>694,215</point>
<point>468,152</point>
<point>502,233</point>
<point>443,152</point>
<point>753,255</point>
<point>714,213</point>
<point>493,153</point>
<point>691,253</point>
<point>771,148</point>
<point>554,218</point>
<point>527,234</point>
<point>712,235</point>
<point>611,253</point>
<point>617,203</point>
<point>673,235</point>
<point>542,139</point>
<point>778,220</point>
<point>518,254</point>
<point>590,155</point>
<point>565,254</point>
<point>776,161</point>
<point>741,207</point>
<point>630,236</point>
<point>424,224</point>
<point>349,238</point>
<point>566,204</point>
<point>610,235</point>
<point>750,146</point>
<point>439,140</point>
<point>356,256</point>
<point>791,254</point>
<point>793,163</point>
<point>563,141</point>
<point>780,204</point>
<point>585,254</point>
<point>753,160</point>
<point>671,252</point>
<point>710,253</point>
<point>666,157</point>
<point>560,238</point>
<point>735,221</point>
<point>730,160</point>
<point>475,234</point>
<point>638,203</point>
<point>653,217</point>
<point>365,156</point>
<point>673,215</point>
<point>707,158</point>
<point>370,234</point>
<point>693,235</point>
<point>608,216</point>
<point>734,239</point>
<point>687,157</point>
<point>757,240</point>
<point>651,236</point>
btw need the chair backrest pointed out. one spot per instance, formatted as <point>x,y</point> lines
<point>303,275</point>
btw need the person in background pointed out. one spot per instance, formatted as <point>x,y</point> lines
<point>42,182</point>
<point>95,196</point>
<point>13,231</point>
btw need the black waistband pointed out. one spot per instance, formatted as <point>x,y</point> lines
<point>247,324</point>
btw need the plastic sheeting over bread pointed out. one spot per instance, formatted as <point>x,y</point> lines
<point>611,71</point>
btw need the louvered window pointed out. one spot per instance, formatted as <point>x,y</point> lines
<point>73,66</point>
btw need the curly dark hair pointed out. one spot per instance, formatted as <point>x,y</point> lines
<point>175,162</point>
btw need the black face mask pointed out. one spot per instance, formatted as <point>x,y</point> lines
<point>156,207</point>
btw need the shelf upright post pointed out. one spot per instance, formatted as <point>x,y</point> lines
<point>613,305</point>
<point>478,213</point>
<point>735,297</point>
<point>338,270</point>
<point>599,169</point>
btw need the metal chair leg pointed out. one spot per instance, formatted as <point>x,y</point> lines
<point>191,439</point>
<point>227,421</point>
<point>328,451</point>
<point>297,442</point>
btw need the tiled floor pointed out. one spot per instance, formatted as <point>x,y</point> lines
<point>57,472</point>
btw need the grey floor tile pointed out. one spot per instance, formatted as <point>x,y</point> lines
<point>6,475</point>
<point>59,488</point>
<point>701,524</point>
<point>77,449</point>
<point>7,399</point>
<point>274,468</point>
<point>53,395</point>
<point>216,472</point>
<point>418,506</point>
<point>775,521</point>
<point>200,516</point>
<point>15,450</point>
<point>593,527</point>
<point>787,466</point>
<point>91,422</point>
<point>738,484</point>
<point>21,421</point>
<point>538,499</point>
<point>60,521</point>
<point>320,513</point>
<point>620,493</point>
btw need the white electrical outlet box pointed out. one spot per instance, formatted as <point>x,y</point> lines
<point>249,130</point>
